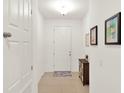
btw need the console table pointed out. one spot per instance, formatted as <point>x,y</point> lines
<point>84,71</point>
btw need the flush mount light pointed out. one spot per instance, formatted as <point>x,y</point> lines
<point>63,10</point>
<point>63,6</point>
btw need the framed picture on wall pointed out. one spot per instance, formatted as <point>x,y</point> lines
<point>93,35</point>
<point>113,30</point>
<point>87,39</point>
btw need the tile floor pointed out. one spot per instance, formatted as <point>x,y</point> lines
<point>51,84</point>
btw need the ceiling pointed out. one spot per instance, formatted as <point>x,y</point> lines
<point>76,8</point>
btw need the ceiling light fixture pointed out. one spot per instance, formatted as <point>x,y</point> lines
<point>63,10</point>
<point>63,7</point>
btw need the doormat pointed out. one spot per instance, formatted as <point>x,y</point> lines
<point>62,74</point>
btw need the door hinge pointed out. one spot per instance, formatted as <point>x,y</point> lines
<point>31,67</point>
<point>31,12</point>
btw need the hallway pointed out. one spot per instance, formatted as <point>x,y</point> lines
<point>70,84</point>
<point>79,36</point>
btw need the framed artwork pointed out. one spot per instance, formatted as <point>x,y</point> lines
<point>113,30</point>
<point>93,35</point>
<point>87,39</point>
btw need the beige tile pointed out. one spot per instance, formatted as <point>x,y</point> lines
<point>51,84</point>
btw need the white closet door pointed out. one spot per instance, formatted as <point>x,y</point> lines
<point>17,49</point>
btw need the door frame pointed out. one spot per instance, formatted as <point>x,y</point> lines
<point>54,27</point>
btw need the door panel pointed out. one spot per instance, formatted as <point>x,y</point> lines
<point>30,13</point>
<point>13,10</point>
<point>26,14</point>
<point>62,56</point>
<point>13,67</point>
<point>17,48</point>
<point>21,12</point>
<point>14,64</point>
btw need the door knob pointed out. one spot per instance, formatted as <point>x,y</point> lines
<point>7,34</point>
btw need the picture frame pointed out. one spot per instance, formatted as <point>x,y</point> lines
<point>93,35</point>
<point>113,30</point>
<point>87,39</point>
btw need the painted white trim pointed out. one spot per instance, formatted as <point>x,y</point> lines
<point>14,84</point>
<point>26,86</point>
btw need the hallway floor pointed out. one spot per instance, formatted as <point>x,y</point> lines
<point>51,84</point>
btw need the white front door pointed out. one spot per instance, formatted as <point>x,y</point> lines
<point>62,48</point>
<point>17,46</point>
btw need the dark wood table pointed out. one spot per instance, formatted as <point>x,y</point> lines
<point>84,71</point>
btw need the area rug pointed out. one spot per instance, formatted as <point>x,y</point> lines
<point>62,74</point>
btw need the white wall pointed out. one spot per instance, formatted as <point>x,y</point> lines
<point>77,39</point>
<point>105,60</point>
<point>38,44</point>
